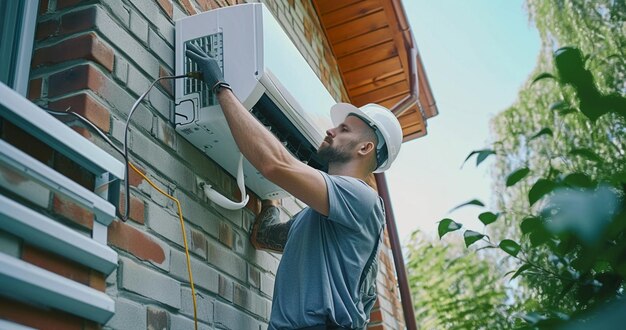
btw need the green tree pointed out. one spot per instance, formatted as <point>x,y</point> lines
<point>560,174</point>
<point>452,289</point>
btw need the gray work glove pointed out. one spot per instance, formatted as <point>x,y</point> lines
<point>211,73</point>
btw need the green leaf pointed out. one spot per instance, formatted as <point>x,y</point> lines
<point>516,176</point>
<point>483,154</point>
<point>543,131</point>
<point>472,202</point>
<point>530,224</point>
<point>488,217</point>
<point>566,111</point>
<point>510,247</point>
<point>586,153</point>
<point>540,189</point>
<point>578,180</point>
<point>539,237</point>
<point>446,226</point>
<point>558,105</point>
<point>533,317</point>
<point>542,76</point>
<point>471,237</point>
<point>521,270</point>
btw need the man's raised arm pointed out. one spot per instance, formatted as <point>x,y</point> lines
<point>262,149</point>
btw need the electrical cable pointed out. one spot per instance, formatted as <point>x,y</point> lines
<point>124,153</point>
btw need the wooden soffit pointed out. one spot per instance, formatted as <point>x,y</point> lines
<point>378,59</point>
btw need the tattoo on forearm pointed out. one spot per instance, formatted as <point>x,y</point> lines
<point>268,232</point>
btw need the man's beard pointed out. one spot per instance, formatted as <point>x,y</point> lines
<point>329,154</point>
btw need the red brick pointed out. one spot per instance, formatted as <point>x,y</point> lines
<point>137,208</point>
<point>135,179</point>
<point>74,171</point>
<point>84,132</point>
<point>376,316</point>
<point>77,21</point>
<point>34,89</point>
<point>167,7</point>
<point>134,241</point>
<point>86,46</point>
<point>188,7</point>
<point>226,234</point>
<point>76,78</point>
<point>97,280</point>
<point>72,211</point>
<point>34,317</point>
<point>56,264</point>
<point>254,204</point>
<point>47,29</point>
<point>66,3</point>
<point>197,242</point>
<point>308,34</point>
<point>86,106</point>
<point>43,7</point>
<point>27,143</point>
<point>167,84</point>
<point>376,327</point>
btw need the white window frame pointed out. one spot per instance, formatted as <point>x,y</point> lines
<point>24,48</point>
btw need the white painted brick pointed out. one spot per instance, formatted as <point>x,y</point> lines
<point>164,223</point>
<point>162,103</point>
<point>120,69</point>
<point>120,11</point>
<point>139,26</point>
<point>28,189</point>
<point>164,51</point>
<point>151,11</point>
<point>181,322</point>
<point>251,301</point>
<point>228,317</point>
<point>178,13</point>
<point>192,155</point>
<point>149,283</point>
<point>119,36</point>
<point>153,154</point>
<point>263,259</point>
<point>128,315</point>
<point>267,284</point>
<point>204,305</point>
<point>137,81</point>
<point>226,260</point>
<point>199,215</point>
<point>204,277</point>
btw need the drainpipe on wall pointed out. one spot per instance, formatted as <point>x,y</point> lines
<point>398,260</point>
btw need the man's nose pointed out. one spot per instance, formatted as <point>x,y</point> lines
<point>331,132</point>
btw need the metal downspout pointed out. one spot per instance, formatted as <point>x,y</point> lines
<point>398,260</point>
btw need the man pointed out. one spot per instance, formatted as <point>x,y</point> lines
<point>326,275</point>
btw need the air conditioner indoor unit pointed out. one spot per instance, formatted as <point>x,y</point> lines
<point>269,76</point>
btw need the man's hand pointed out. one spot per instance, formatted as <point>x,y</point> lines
<point>211,73</point>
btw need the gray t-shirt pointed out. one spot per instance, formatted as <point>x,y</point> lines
<point>317,281</point>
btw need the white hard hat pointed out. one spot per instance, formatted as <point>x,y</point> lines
<point>384,123</point>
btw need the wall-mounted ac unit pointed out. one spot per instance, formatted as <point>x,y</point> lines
<point>269,76</point>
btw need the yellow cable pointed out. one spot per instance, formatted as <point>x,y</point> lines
<point>182,226</point>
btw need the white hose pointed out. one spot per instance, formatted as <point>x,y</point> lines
<point>224,202</point>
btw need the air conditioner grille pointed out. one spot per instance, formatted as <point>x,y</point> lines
<point>213,45</point>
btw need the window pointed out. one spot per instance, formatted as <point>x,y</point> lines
<point>17,29</point>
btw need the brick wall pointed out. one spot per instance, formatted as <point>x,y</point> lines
<point>96,57</point>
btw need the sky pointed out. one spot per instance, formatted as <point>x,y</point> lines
<point>477,55</point>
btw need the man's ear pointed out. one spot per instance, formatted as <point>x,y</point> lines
<point>366,148</point>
